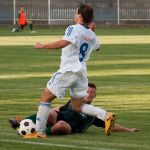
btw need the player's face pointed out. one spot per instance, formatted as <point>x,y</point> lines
<point>91,94</point>
<point>22,9</point>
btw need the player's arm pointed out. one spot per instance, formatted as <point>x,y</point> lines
<point>119,128</point>
<point>54,45</point>
<point>56,109</point>
<point>116,128</point>
<point>96,46</point>
<point>92,26</point>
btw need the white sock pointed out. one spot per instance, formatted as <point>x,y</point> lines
<point>94,111</point>
<point>42,116</point>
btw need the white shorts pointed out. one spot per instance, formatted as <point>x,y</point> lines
<point>60,82</point>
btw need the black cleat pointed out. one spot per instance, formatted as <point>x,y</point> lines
<point>15,122</point>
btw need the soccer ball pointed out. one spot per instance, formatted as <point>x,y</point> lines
<point>26,127</point>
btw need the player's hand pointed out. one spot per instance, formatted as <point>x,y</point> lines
<point>38,45</point>
<point>134,129</point>
<point>92,26</point>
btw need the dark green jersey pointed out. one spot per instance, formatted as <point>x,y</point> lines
<point>79,122</point>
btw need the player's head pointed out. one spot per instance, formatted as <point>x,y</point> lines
<point>91,93</point>
<point>84,14</point>
<point>22,8</point>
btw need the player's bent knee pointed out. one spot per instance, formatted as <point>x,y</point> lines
<point>52,117</point>
<point>61,128</point>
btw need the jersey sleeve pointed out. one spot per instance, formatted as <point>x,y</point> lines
<point>71,35</point>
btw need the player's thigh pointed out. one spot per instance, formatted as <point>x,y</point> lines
<point>60,82</point>
<point>79,90</point>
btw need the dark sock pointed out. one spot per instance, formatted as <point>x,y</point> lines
<point>17,29</point>
<point>31,27</point>
<point>22,27</point>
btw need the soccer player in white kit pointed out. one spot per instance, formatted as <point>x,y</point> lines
<point>77,44</point>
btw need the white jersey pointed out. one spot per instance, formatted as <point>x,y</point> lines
<point>83,42</point>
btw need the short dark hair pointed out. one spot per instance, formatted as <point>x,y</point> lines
<point>92,85</point>
<point>86,12</point>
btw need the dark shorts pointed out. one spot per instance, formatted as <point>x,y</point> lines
<point>79,122</point>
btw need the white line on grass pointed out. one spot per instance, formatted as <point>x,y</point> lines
<point>57,145</point>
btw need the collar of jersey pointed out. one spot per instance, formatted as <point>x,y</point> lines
<point>84,25</point>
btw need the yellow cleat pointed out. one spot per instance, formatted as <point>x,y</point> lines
<point>109,122</point>
<point>35,135</point>
<point>30,136</point>
<point>41,135</point>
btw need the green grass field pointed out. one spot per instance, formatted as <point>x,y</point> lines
<point>120,71</point>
